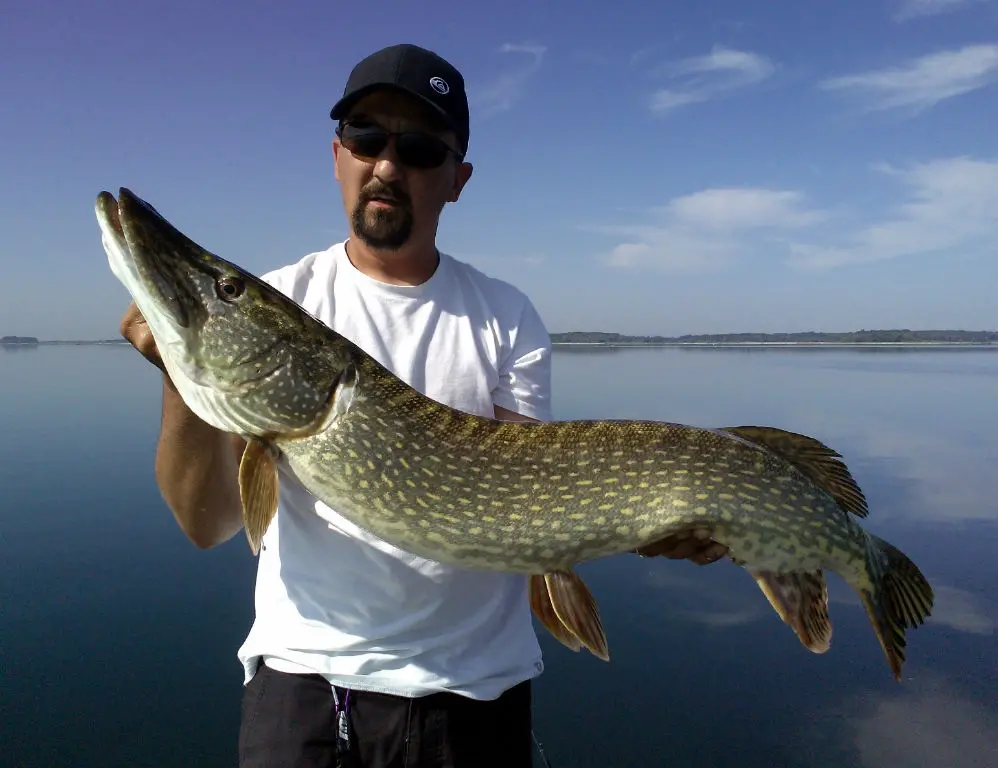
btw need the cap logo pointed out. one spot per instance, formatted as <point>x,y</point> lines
<point>439,85</point>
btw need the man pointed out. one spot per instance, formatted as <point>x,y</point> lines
<point>360,649</point>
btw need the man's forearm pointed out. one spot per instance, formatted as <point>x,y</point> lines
<point>197,473</point>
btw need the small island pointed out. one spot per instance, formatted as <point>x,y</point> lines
<point>33,341</point>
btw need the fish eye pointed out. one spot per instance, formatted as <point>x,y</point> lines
<point>229,288</point>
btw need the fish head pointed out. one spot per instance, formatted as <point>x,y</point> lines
<point>244,357</point>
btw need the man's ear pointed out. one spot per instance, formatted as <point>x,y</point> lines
<point>460,179</point>
<point>336,158</point>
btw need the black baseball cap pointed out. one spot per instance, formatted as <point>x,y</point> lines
<point>417,71</point>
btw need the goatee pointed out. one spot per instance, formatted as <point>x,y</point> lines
<point>382,227</point>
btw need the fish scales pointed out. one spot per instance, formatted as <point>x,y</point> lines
<point>532,498</point>
<point>500,496</point>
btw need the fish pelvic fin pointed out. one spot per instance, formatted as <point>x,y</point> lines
<point>575,607</point>
<point>822,465</point>
<point>801,600</point>
<point>901,598</point>
<point>540,603</point>
<point>258,490</point>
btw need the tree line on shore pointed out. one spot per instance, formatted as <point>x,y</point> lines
<point>847,337</point>
<point>903,336</point>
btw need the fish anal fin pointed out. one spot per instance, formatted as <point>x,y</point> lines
<point>258,491</point>
<point>814,459</point>
<point>575,606</point>
<point>540,603</point>
<point>801,600</point>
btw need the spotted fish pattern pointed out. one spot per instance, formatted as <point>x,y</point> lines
<point>474,492</point>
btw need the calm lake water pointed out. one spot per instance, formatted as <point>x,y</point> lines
<point>118,638</point>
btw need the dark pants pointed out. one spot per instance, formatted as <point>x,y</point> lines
<point>289,721</point>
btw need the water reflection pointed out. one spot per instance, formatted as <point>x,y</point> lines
<point>703,671</point>
<point>962,611</point>
<point>931,724</point>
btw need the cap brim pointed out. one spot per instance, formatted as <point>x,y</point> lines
<point>342,107</point>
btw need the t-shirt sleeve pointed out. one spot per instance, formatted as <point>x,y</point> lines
<point>525,371</point>
<point>282,279</point>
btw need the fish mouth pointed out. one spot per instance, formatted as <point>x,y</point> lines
<point>148,254</point>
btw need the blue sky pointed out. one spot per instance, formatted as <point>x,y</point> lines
<point>670,168</point>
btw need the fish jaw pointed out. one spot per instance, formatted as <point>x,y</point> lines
<point>235,350</point>
<point>165,317</point>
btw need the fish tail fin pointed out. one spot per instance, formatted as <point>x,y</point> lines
<point>900,598</point>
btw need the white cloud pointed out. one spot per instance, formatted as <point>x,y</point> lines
<point>952,607</point>
<point>708,229</point>
<point>942,478</point>
<point>700,78</point>
<point>950,208</point>
<point>508,87</point>
<point>946,208</point>
<point>701,599</point>
<point>962,611</point>
<point>729,209</point>
<point>917,9</point>
<point>925,81</point>
<point>929,724</point>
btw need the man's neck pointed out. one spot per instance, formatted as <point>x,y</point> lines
<point>407,266</point>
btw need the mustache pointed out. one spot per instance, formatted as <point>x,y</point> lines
<point>383,191</point>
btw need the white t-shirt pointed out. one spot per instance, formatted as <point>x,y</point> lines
<point>332,598</point>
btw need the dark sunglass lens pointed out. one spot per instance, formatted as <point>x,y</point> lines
<point>420,150</point>
<point>364,140</point>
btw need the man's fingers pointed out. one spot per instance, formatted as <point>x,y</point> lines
<point>130,321</point>
<point>695,545</point>
<point>709,554</point>
<point>135,330</point>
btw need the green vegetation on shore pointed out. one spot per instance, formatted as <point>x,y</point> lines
<point>18,340</point>
<point>903,336</point>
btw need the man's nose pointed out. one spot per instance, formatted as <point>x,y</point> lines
<point>387,165</point>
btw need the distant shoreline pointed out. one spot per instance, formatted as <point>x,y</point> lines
<point>949,339</point>
<point>615,344</point>
<point>770,344</point>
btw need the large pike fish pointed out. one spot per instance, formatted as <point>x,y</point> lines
<point>474,492</point>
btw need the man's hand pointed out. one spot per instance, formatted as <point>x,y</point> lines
<point>135,330</point>
<point>695,545</point>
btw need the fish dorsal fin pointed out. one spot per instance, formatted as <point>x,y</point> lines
<point>814,459</point>
<point>540,603</point>
<point>801,600</point>
<point>575,607</point>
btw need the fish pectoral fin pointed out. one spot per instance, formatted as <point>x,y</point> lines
<point>576,608</point>
<point>258,491</point>
<point>814,459</point>
<point>801,600</point>
<point>540,603</point>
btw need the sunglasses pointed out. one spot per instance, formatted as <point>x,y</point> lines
<point>415,149</point>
